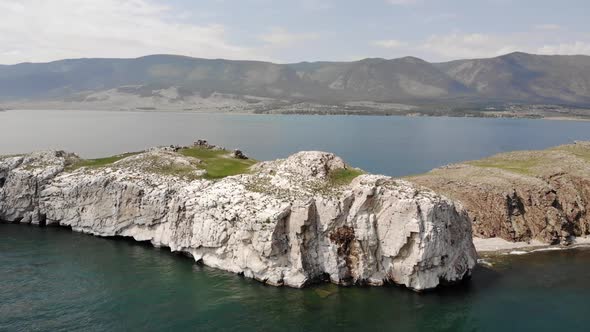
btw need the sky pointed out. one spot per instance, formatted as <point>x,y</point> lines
<point>287,31</point>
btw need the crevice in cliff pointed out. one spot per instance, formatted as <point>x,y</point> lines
<point>309,244</point>
<point>344,237</point>
<point>280,245</point>
<point>42,219</point>
<point>514,205</point>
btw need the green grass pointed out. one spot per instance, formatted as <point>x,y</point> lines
<point>344,176</point>
<point>219,163</point>
<point>100,162</point>
<point>520,166</point>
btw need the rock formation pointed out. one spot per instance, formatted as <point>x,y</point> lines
<point>285,222</point>
<point>522,196</point>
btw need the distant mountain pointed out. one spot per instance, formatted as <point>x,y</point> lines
<point>516,77</point>
<point>525,77</point>
<point>381,80</point>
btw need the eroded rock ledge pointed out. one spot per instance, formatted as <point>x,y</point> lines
<point>285,222</point>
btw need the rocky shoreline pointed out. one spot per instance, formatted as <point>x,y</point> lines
<point>533,197</point>
<point>286,222</point>
<point>311,217</point>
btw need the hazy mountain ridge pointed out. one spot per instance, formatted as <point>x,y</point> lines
<point>516,77</point>
<point>522,77</point>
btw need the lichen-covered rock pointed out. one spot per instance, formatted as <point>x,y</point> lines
<point>285,223</point>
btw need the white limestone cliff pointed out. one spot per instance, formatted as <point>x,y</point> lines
<point>284,223</point>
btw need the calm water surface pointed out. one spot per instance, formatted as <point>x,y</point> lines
<point>55,280</point>
<point>389,145</point>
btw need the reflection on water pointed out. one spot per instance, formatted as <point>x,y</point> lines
<point>53,279</point>
<point>390,145</point>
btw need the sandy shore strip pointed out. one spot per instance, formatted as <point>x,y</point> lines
<point>501,246</point>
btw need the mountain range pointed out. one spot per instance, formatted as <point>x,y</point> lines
<point>512,78</point>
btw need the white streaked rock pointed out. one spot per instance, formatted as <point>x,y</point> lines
<point>284,224</point>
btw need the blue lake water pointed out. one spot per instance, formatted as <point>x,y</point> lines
<point>392,145</point>
<point>55,280</point>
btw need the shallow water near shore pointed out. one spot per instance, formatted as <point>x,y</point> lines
<point>54,280</point>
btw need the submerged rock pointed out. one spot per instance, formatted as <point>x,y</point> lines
<point>287,222</point>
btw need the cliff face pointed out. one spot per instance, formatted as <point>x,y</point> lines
<point>521,196</point>
<point>287,222</point>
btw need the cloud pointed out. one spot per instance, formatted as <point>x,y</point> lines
<point>388,43</point>
<point>470,45</point>
<point>37,30</point>
<point>574,48</point>
<point>279,37</point>
<point>458,45</point>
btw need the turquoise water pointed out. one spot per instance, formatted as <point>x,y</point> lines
<point>56,280</point>
<point>392,145</point>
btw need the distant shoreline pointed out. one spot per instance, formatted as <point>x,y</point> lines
<point>415,114</point>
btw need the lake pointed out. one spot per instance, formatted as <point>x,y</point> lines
<point>395,146</point>
<point>56,280</point>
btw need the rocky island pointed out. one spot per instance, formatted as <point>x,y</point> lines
<point>307,218</point>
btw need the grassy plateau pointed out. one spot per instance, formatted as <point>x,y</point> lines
<point>219,163</point>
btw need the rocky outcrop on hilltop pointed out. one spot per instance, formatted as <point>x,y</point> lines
<point>522,196</point>
<point>285,222</point>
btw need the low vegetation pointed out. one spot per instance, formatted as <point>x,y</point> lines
<point>159,165</point>
<point>579,150</point>
<point>517,165</point>
<point>218,163</point>
<point>344,176</point>
<point>100,162</point>
<point>532,162</point>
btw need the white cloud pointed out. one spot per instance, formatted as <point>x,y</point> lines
<point>279,37</point>
<point>472,45</point>
<point>458,45</point>
<point>39,30</point>
<point>388,43</point>
<point>573,48</point>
